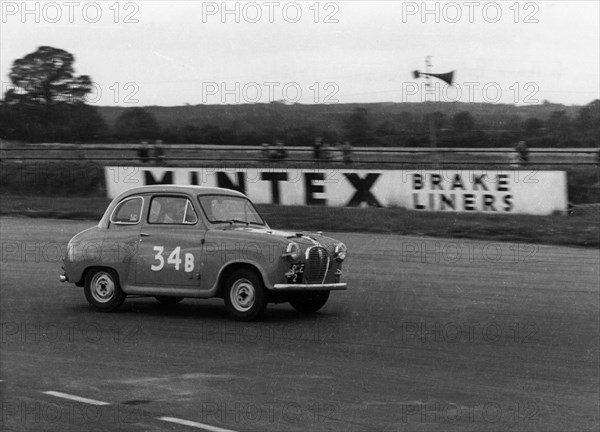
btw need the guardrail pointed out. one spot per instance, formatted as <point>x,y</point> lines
<point>15,146</point>
<point>206,154</point>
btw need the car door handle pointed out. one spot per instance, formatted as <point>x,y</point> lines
<point>144,235</point>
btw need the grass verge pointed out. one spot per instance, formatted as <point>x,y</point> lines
<point>556,230</point>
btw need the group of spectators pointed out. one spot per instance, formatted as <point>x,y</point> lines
<point>151,152</point>
<point>278,151</point>
<point>154,152</point>
<point>321,151</point>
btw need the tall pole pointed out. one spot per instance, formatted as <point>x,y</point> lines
<point>432,131</point>
<point>428,73</point>
<point>447,77</point>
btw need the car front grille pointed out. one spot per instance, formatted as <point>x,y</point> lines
<point>317,262</point>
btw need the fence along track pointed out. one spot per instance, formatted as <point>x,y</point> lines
<point>380,157</point>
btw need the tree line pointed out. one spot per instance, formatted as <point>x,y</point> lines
<point>47,104</point>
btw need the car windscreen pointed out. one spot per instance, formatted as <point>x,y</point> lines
<point>226,208</point>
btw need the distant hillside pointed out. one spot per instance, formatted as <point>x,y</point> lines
<point>258,117</point>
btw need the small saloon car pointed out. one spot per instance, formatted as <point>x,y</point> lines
<point>174,242</point>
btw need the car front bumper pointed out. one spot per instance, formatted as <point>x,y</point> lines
<point>310,287</point>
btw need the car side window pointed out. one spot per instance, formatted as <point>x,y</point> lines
<point>128,211</point>
<point>189,217</point>
<point>172,210</point>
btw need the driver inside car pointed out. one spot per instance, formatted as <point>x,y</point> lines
<point>174,211</point>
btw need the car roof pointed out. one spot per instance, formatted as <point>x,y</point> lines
<point>193,190</point>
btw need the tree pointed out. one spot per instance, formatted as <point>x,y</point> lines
<point>358,128</point>
<point>588,117</point>
<point>559,123</point>
<point>406,121</point>
<point>385,128</point>
<point>47,102</point>
<point>57,123</point>
<point>136,124</point>
<point>514,123</point>
<point>46,77</point>
<point>532,125</point>
<point>463,121</point>
<point>439,120</point>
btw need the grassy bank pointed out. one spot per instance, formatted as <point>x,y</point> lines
<point>557,230</point>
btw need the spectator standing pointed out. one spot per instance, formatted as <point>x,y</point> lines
<point>265,149</point>
<point>326,151</point>
<point>347,152</point>
<point>317,147</point>
<point>158,152</point>
<point>523,153</point>
<point>144,152</point>
<point>280,151</point>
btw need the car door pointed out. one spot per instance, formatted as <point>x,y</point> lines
<point>121,240</point>
<point>170,244</point>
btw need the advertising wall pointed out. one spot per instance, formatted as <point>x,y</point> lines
<point>487,191</point>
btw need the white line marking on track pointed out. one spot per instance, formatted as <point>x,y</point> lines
<point>194,424</point>
<point>75,398</point>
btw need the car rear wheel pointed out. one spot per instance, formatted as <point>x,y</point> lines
<point>309,302</point>
<point>103,290</point>
<point>168,299</point>
<point>244,295</point>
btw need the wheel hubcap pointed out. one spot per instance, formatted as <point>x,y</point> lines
<point>242,295</point>
<point>103,287</point>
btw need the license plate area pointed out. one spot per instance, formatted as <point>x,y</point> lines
<point>296,273</point>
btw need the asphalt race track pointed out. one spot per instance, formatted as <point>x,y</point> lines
<point>433,335</point>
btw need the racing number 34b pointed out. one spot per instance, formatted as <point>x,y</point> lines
<point>174,258</point>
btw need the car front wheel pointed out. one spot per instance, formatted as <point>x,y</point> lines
<point>244,295</point>
<point>103,290</point>
<point>309,302</point>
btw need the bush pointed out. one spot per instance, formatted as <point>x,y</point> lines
<point>584,185</point>
<point>80,179</point>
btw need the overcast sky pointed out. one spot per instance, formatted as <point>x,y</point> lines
<point>173,53</point>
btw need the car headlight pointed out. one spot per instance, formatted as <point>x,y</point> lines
<point>292,251</point>
<point>340,251</point>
